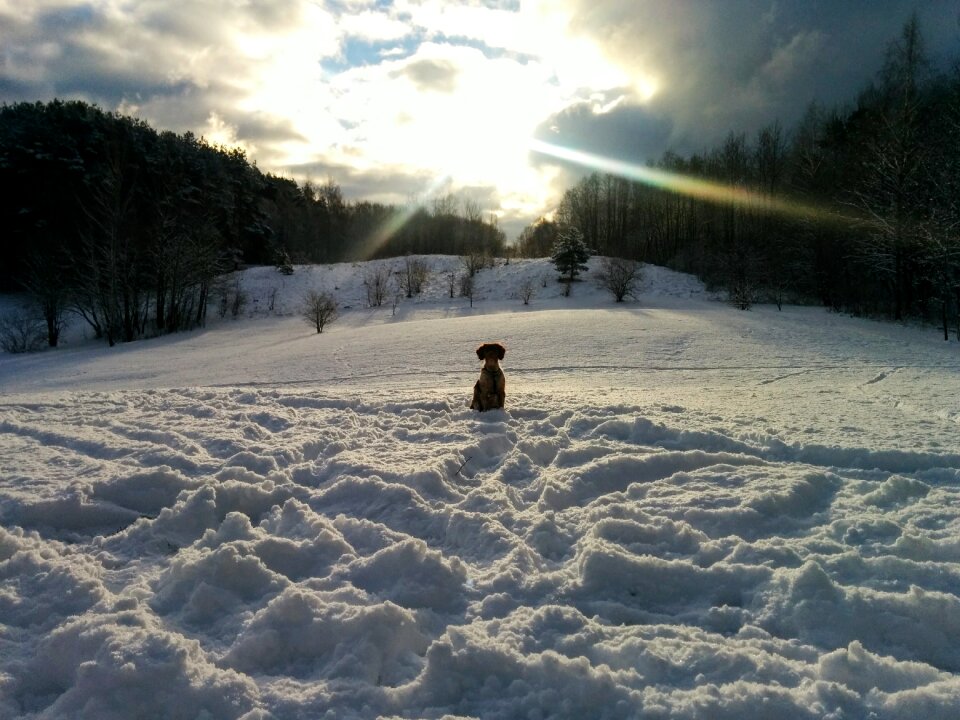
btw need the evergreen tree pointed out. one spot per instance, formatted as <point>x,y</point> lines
<point>570,254</point>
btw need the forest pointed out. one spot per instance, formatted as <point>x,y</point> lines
<point>130,228</point>
<point>880,180</point>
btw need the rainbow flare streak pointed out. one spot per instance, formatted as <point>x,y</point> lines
<point>689,185</point>
<point>369,245</point>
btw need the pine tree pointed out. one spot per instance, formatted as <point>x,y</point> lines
<point>570,253</point>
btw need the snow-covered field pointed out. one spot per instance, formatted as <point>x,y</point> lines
<point>685,511</point>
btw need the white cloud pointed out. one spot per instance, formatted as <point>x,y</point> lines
<point>452,110</point>
<point>374,26</point>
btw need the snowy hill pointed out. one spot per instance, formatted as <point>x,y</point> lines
<point>684,511</point>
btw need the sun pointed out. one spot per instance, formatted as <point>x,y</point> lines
<point>468,121</point>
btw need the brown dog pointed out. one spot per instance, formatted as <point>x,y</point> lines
<point>490,391</point>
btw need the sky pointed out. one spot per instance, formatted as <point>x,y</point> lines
<point>400,101</point>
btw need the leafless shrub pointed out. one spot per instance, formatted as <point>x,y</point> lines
<point>319,309</point>
<point>474,262</point>
<point>231,297</point>
<point>21,331</point>
<point>526,292</point>
<point>620,277</point>
<point>413,276</point>
<point>377,281</point>
<point>742,295</point>
<point>239,301</point>
<point>467,287</point>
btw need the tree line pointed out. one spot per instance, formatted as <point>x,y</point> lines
<point>874,189</point>
<point>133,229</point>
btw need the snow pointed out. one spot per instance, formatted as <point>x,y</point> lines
<point>684,511</point>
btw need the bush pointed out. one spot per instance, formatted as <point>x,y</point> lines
<point>284,264</point>
<point>232,298</point>
<point>741,295</point>
<point>467,287</point>
<point>22,331</point>
<point>413,276</point>
<point>319,309</point>
<point>526,292</point>
<point>620,277</point>
<point>377,280</point>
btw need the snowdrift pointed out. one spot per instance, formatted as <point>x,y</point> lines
<point>685,511</point>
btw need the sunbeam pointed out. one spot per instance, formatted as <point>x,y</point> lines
<point>689,185</point>
<point>381,235</point>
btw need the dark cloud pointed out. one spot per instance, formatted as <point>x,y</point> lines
<point>435,74</point>
<point>262,127</point>
<point>628,132</point>
<point>209,21</point>
<point>387,185</point>
<point>171,67</point>
<point>742,64</point>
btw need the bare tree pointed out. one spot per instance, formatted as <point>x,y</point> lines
<point>941,258</point>
<point>526,291</point>
<point>895,166</point>
<point>239,299</point>
<point>319,309</point>
<point>21,331</point>
<point>467,287</point>
<point>45,284</point>
<point>620,277</point>
<point>474,262</point>
<point>413,276</point>
<point>538,239</point>
<point>377,280</point>
<point>111,287</point>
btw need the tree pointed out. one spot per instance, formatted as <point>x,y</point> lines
<point>570,254</point>
<point>891,191</point>
<point>537,240</point>
<point>473,262</point>
<point>283,262</point>
<point>467,287</point>
<point>319,309</point>
<point>527,291</point>
<point>21,331</point>
<point>413,276</point>
<point>620,277</point>
<point>377,281</point>
<point>111,265</point>
<point>49,293</point>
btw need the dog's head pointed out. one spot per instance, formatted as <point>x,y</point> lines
<point>494,348</point>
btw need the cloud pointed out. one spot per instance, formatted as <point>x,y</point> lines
<point>374,26</point>
<point>738,66</point>
<point>431,74</point>
<point>629,132</point>
<point>426,92</point>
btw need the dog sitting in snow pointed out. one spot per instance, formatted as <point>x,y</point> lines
<point>490,390</point>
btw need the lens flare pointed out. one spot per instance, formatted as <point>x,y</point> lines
<point>688,185</point>
<point>369,245</point>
